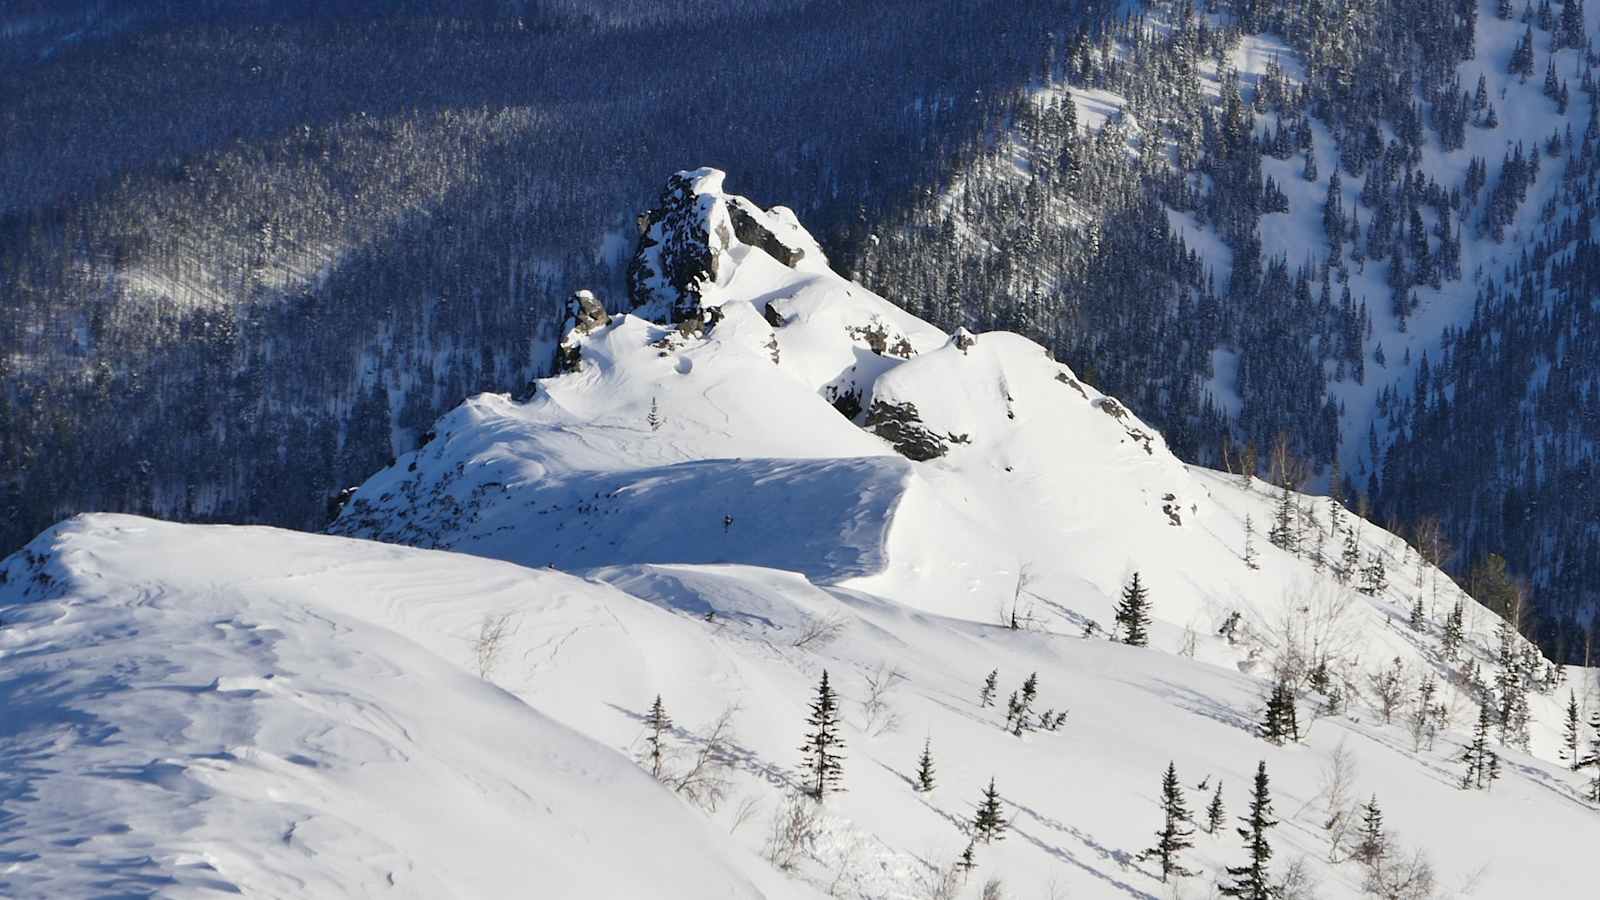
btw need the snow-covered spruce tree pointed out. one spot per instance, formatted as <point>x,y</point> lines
<point>1021,721</point>
<point>989,824</point>
<point>1280,723</point>
<point>1483,764</point>
<point>823,765</point>
<point>1215,811</point>
<point>986,696</point>
<point>1252,557</point>
<point>1284,534</point>
<point>1374,843</point>
<point>1374,577</point>
<point>1349,558</point>
<point>659,723</point>
<point>1013,705</point>
<point>925,767</point>
<point>1418,619</point>
<point>1173,838</point>
<point>653,418</point>
<point>1252,881</point>
<point>1572,734</point>
<point>1454,631</point>
<point>1513,714</point>
<point>1133,613</point>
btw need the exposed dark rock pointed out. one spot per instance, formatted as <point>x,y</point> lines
<point>901,426</point>
<point>585,313</point>
<point>749,230</point>
<point>674,256</point>
<point>847,402</point>
<point>964,339</point>
<point>1071,382</point>
<point>337,501</point>
<point>771,314</point>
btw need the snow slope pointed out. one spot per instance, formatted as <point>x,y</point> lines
<point>203,708</point>
<point>1047,496</point>
<point>195,710</point>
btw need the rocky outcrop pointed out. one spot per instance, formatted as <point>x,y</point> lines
<point>901,426</point>
<point>750,230</point>
<point>682,241</point>
<point>585,315</point>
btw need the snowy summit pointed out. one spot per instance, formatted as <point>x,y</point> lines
<point>773,589</point>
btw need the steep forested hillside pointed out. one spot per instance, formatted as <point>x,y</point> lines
<point>1357,225</point>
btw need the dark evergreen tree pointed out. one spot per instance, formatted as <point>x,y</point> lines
<point>1252,881</point>
<point>1284,534</point>
<point>1215,811</point>
<point>1280,723</point>
<point>1174,836</point>
<point>1454,631</point>
<point>1373,844</point>
<point>986,696</point>
<point>1572,735</point>
<point>925,766</point>
<point>989,824</point>
<point>659,724</point>
<point>1482,763</point>
<point>1021,720</point>
<point>823,763</point>
<point>1133,613</point>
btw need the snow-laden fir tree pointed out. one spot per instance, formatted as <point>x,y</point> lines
<point>1572,734</point>
<point>823,765</point>
<point>1174,836</point>
<point>1418,617</point>
<point>659,723</point>
<point>1284,534</point>
<point>653,418</point>
<point>1374,843</point>
<point>1133,613</point>
<point>1022,719</point>
<point>925,767</point>
<point>989,824</point>
<point>1252,557</point>
<point>1252,881</point>
<point>1280,724</point>
<point>986,696</point>
<point>1349,559</point>
<point>1454,631</point>
<point>1215,811</point>
<point>1513,714</point>
<point>1482,763</point>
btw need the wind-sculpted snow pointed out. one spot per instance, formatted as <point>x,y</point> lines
<point>193,711</point>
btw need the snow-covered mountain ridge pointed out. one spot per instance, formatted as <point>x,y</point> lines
<point>764,474</point>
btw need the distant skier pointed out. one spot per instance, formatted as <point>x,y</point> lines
<point>727,523</point>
